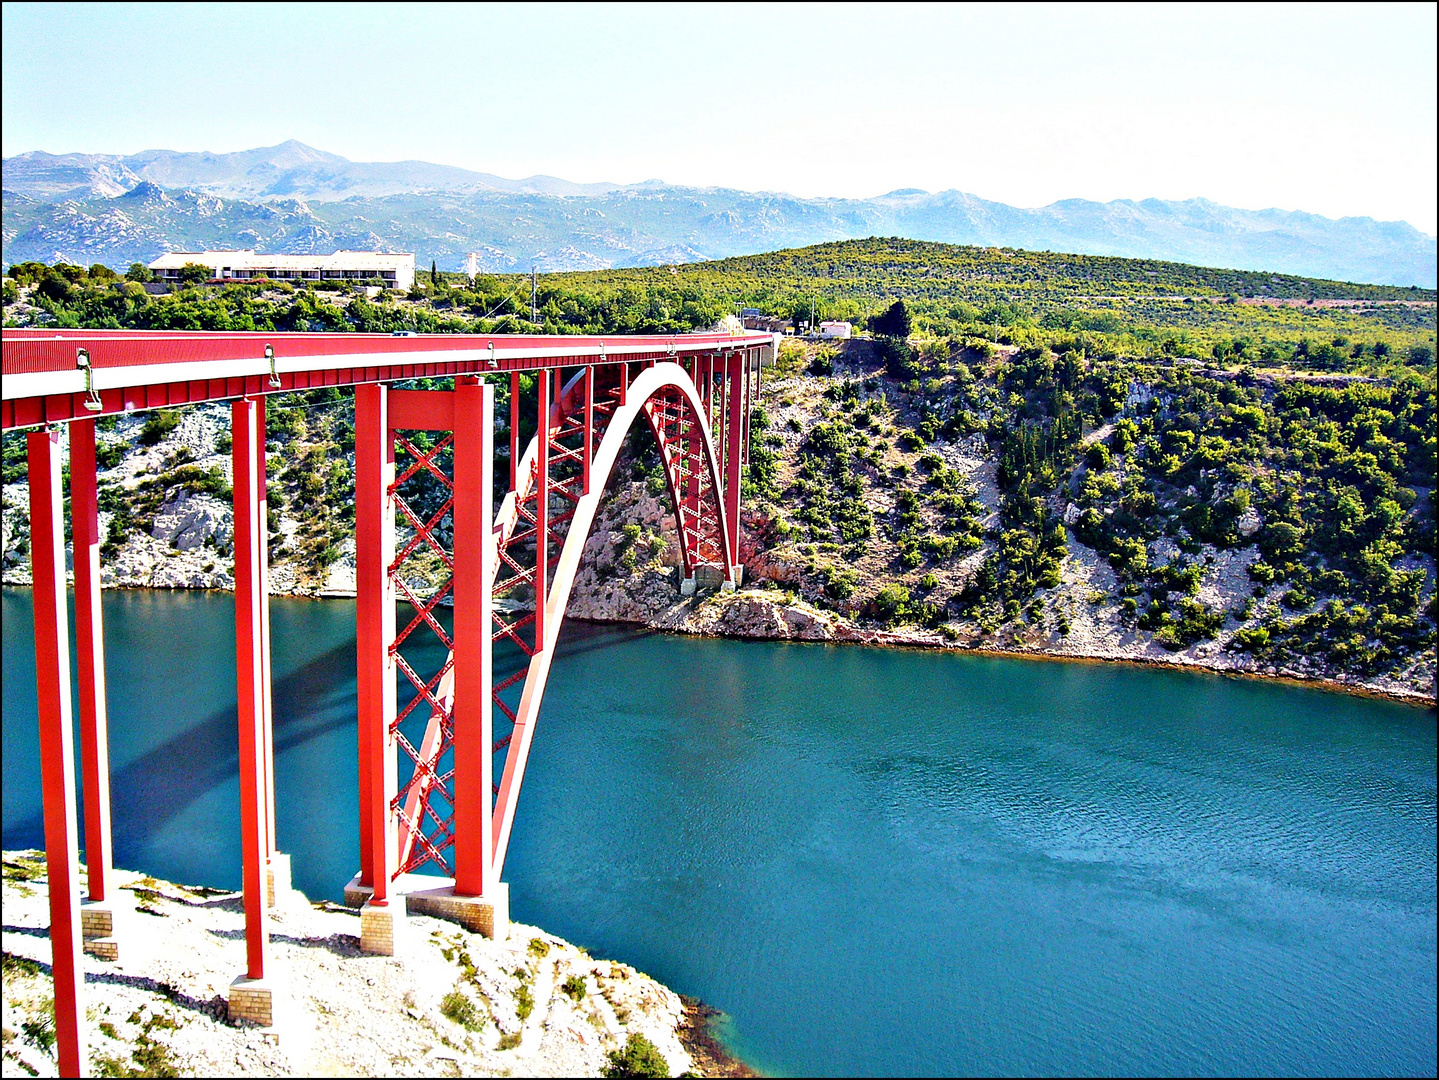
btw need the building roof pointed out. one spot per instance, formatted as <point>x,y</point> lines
<point>247,259</point>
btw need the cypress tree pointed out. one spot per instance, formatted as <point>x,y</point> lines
<point>434,273</point>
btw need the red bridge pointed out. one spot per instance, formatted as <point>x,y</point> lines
<point>507,572</point>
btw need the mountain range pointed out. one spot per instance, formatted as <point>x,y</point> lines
<point>292,198</point>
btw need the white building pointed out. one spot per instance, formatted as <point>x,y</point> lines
<point>832,329</point>
<point>397,271</point>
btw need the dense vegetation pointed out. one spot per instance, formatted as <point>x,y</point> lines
<point>1142,410</point>
<point>1120,307</point>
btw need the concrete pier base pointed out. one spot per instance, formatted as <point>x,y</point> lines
<point>488,915</point>
<point>382,927</point>
<point>104,925</point>
<point>687,586</point>
<point>735,580</point>
<point>258,1001</point>
<point>436,897</point>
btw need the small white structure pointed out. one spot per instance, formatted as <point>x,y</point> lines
<point>831,329</point>
<point>396,270</point>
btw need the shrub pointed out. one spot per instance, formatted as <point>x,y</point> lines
<point>457,1007</point>
<point>574,986</point>
<point>524,1002</point>
<point>158,425</point>
<point>108,455</point>
<point>823,363</point>
<point>840,584</point>
<point>892,601</point>
<point>638,1057</point>
<point>1250,639</point>
<point>40,1031</point>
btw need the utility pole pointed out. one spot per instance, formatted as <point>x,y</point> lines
<point>534,295</point>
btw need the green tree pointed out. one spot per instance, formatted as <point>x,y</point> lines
<point>434,273</point>
<point>639,1057</point>
<point>194,274</point>
<point>138,272</point>
<point>894,322</point>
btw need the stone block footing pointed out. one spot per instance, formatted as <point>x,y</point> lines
<point>382,927</point>
<point>436,897</point>
<point>258,1001</point>
<point>711,577</point>
<point>103,925</point>
<point>488,915</point>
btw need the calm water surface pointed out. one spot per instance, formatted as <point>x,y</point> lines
<point>874,861</point>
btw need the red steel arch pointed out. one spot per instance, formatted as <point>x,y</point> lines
<point>678,414</point>
<point>668,399</point>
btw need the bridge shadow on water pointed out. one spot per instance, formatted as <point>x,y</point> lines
<point>174,797</point>
<point>313,704</point>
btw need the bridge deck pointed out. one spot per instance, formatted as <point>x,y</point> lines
<point>45,381</point>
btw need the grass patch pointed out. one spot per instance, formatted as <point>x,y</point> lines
<point>456,1007</point>
<point>524,1001</point>
<point>150,1057</point>
<point>13,965</point>
<point>24,869</point>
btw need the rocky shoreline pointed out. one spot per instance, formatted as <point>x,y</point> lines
<point>806,624</point>
<point>628,572</point>
<point>454,1003</point>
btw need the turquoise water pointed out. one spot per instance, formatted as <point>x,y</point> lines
<point>874,861</point>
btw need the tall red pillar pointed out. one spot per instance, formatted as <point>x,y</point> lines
<point>734,432</point>
<point>375,630</point>
<point>90,650</point>
<point>266,687</point>
<point>473,707</point>
<point>57,750</point>
<point>249,679</point>
<point>588,451</point>
<point>542,506</point>
<point>514,428</point>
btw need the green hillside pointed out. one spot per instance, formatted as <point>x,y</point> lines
<point>1110,307</point>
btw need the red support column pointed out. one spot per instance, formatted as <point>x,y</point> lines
<point>249,646</point>
<point>709,387</point>
<point>514,427</point>
<point>57,750</point>
<point>375,630</point>
<point>589,449</point>
<point>542,508</point>
<point>266,688</point>
<point>744,440</point>
<point>724,415</point>
<point>473,707</point>
<point>734,428</point>
<point>90,647</point>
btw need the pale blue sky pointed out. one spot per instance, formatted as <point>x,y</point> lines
<point>1323,108</point>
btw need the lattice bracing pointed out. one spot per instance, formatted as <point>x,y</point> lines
<point>423,574</point>
<point>531,528</point>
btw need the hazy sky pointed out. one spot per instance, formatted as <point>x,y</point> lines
<point>1323,108</point>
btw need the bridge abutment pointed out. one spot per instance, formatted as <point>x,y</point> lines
<point>106,924</point>
<point>382,926</point>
